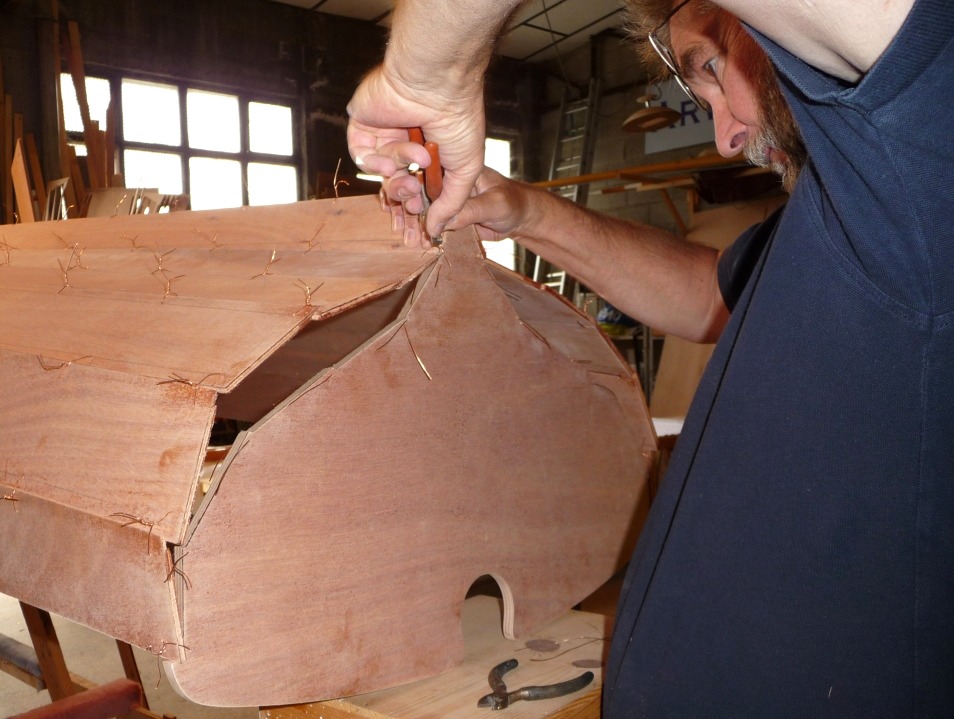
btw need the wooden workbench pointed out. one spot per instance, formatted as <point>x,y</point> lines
<point>564,649</point>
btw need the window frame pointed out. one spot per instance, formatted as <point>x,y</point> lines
<point>184,151</point>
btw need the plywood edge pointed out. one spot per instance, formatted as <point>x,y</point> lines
<point>317,380</point>
<point>215,481</point>
<point>323,314</point>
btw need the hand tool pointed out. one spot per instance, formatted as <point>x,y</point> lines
<point>431,177</point>
<point>500,698</point>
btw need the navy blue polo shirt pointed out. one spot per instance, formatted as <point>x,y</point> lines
<point>799,557</point>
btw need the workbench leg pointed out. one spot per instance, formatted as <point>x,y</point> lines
<point>49,655</point>
<point>130,667</point>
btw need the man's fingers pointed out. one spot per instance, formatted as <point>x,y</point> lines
<point>389,159</point>
<point>407,190</point>
<point>457,190</point>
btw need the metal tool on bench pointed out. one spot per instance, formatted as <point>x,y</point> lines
<point>431,177</point>
<point>500,698</point>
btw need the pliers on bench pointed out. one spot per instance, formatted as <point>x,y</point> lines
<point>500,698</point>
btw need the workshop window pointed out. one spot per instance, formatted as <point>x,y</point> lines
<point>497,157</point>
<point>223,149</point>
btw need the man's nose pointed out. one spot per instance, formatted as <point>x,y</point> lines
<point>730,134</point>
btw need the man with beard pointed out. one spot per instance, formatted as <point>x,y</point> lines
<point>799,557</point>
<point>648,273</point>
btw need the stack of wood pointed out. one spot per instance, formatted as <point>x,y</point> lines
<point>23,178</point>
<point>21,161</point>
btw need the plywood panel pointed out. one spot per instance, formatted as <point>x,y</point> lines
<point>720,226</point>
<point>454,444</point>
<point>352,222</point>
<point>101,442</point>
<point>680,368</point>
<point>95,571</point>
<point>114,336</point>
<point>204,296</point>
<point>465,423</point>
<point>576,642</point>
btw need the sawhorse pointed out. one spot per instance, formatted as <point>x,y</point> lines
<point>47,669</point>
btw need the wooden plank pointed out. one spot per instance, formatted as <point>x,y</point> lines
<point>36,170</point>
<point>95,156</point>
<point>21,184</point>
<point>19,661</point>
<point>109,147</point>
<point>106,576</point>
<point>130,668</point>
<point>78,183</point>
<point>681,365</point>
<point>214,305</point>
<point>57,63</point>
<point>453,695</point>
<point>8,140</point>
<point>49,655</point>
<point>69,164</point>
<point>111,445</point>
<point>66,156</point>
<point>46,125</point>
<point>515,460</point>
<point>350,224</point>
<point>6,149</point>
<point>316,347</point>
<point>117,698</point>
<point>90,134</point>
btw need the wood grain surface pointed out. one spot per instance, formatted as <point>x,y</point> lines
<point>459,441</point>
<point>563,649</point>
<point>419,420</point>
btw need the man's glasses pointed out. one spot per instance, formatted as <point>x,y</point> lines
<point>666,55</point>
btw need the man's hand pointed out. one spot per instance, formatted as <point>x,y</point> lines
<point>498,209</point>
<point>381,110</point>
<point>433,78</point>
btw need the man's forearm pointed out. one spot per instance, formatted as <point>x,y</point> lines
<point>444,45</point>
<point>655,277</point>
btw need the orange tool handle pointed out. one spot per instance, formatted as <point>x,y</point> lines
<point>433,174</point>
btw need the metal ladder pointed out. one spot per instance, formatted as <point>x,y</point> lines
<point>572,156</point>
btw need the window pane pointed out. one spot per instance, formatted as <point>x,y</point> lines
<point>213,121</point>
<point>97,98</point>
<point>151,113</point>
<point>271,184</point>
<point>497,157</point>
<point>214,184</point>
<point>270,128</point>
<point>161,170</point>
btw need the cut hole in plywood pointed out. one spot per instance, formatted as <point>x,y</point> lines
<point>319,345</point>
